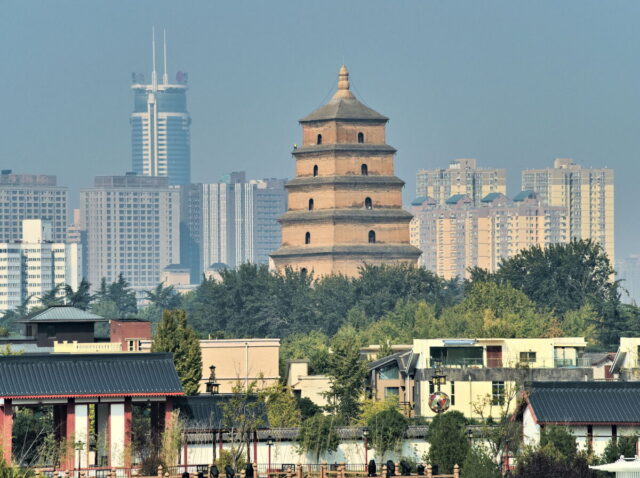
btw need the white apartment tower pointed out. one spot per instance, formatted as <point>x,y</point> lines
<point>36,265</point>
<point>132,227</point>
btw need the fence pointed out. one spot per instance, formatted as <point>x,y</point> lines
<point>275,470</point>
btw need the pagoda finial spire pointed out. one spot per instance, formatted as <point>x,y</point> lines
<point>343,84</point>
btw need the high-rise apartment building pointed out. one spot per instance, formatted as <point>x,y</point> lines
<point>31,196</point>
<point>132,226</point>
<point>240,220</point>
<point>160,126</point>
<point>461,177</point>
<point>36,265</point>
<point>345,204</point>
<point>458,235</point>
<point>587,193</point>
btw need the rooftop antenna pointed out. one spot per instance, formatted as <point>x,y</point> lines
<point>165,76</point>
<point>154,76</point>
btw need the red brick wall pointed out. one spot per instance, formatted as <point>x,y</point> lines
<point>121,331</point>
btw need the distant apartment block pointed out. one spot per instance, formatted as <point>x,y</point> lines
<point>458,235</point>
<point>36,265</point>
<point>232,221</point>
<point>132,226</point>
<point>461,177</point>
<point>31,196</point>
<point>587,193</point>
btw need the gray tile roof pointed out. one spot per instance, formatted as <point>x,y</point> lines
<point>344,109</point>
<point>378,216</point>
<point>389,251</point>
<point>205,412</point>
<point>35,376</point>
<point>585,402</point>
<point>360,148</point>
<point>63,313</point>
<point>352,180</point>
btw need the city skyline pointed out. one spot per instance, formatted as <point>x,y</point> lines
<point>245,106</point>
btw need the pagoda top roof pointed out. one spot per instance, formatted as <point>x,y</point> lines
<point>344,106</point>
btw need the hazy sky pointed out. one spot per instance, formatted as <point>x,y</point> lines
<point>512,83</point>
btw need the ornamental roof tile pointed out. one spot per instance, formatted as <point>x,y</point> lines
<point>63,313</point>
<point>89,375</point>
<point>585,402</point>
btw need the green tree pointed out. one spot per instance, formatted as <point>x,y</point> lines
<point>52,297</point>
<point>312,347</point>
<point>318,436</point>
<point>548,462</point>
<point>479,464</point>
<point>448,441</point>
<point>307,408</point>
<point>387,429</point>
<point>80,298</point>
<point>347,373</point>
<point>282,407</point>
<point>561,440</point>
<point>622,446</point>
<point>121,294</point>
<point>175,336</point>
<point>165,298</point>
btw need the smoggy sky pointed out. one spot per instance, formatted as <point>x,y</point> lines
<point>512,83</point>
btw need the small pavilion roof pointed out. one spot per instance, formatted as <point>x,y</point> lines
<point>88,375</point>
<point>62,313</point>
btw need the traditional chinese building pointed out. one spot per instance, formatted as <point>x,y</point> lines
<point>345,204</point>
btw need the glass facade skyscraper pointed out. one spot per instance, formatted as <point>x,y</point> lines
<point>160,128</point>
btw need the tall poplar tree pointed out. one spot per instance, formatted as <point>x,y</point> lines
<point>176,336</point>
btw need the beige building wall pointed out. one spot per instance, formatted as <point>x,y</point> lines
<point>240,362</point>
<point>457,235</point>
<point>587,193</point>
<point>461,177</point>
<point>303,385</point>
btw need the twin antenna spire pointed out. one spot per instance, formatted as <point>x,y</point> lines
<point>154,75</point>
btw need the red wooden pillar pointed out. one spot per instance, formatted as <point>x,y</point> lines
<point>6,430</point>
<point>70,432</point>
<point>168,410</point>
<point>128,420</point>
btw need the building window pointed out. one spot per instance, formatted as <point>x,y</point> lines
<point>497,393</point>
<point>310,204</point>
<point>432,387</point>
<point>390,372</point>
<point>364,170</point>
<point>361,137</point>
<point>372,237</point>
<point>368,203</point>
<point>391,392</point>
<point>307,238</point>
<point>452,395</point>
<point>51,331</point>
<point>315,170</point>
<point>319,139</point>
<point>527,357</point>
<point>133,345</point>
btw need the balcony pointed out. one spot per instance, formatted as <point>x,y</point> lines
<point>86,348</point>
<point>572,363</point>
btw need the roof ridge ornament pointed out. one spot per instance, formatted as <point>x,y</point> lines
<point>343,84</point>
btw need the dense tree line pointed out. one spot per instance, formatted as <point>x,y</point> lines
<point>564,289</point>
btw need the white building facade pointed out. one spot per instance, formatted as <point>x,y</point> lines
<point>36,265</point>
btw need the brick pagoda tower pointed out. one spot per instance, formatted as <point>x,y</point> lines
<point>345,204</point>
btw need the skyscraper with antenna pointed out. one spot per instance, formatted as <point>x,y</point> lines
<point>160,124</point>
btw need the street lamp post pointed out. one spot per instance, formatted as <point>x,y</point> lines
<point>269,445</point>
<point>213,388</point>
<point>365,435</point>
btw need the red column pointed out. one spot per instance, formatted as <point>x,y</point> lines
<point>6,430</point>
<point>168,409</point>
<point>70,432</point>
<point>128,411</point>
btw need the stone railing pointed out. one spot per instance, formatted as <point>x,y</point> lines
<point>86,348</point>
